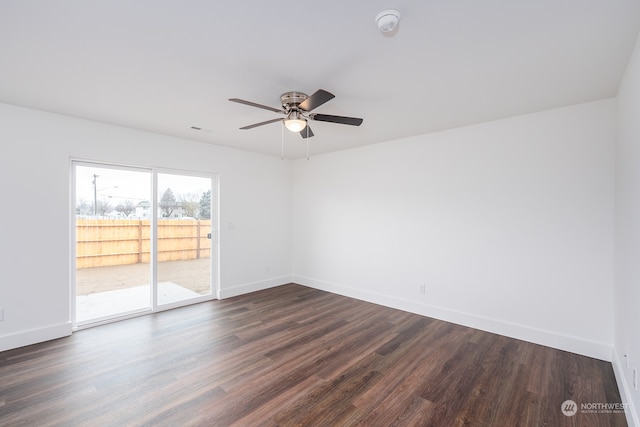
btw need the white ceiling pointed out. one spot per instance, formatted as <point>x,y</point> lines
<point>164,66</point>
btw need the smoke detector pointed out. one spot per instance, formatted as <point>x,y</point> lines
<point>388,20</point>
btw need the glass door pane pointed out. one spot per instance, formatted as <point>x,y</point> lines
<point>113,275</point>
<point>183,238</point>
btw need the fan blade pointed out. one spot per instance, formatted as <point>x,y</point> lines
<point>306,132</point>
<point>253,104</point>
<point>255,125</point>
<point>317,99</point>
<point>353,121</point>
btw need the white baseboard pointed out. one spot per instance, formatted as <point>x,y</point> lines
<point>34,336</point>
<point>625,391</point>
<point>601,351</point>
<point>253,287</point>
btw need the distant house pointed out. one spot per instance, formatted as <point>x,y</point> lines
<point>143,211</point>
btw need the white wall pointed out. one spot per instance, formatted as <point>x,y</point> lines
<point>627,242</point>
<point>35,152</point>
<point>508,224</point>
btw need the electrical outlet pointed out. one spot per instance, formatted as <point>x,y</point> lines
<point>635,379</point>
<point>423,289</point>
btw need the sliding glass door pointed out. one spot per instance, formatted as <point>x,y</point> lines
<point>143,240</point>
<point>183,237</point>
<point>112,256</point>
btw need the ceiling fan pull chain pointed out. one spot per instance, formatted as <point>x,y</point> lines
<point>307,142</point>
<point>282,141</point>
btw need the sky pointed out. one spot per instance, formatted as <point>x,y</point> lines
<point>118,185</point>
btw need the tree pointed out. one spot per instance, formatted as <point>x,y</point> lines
<point>103,207</point>
<point>167,203</point>
<point>126,208</point>
<point>205,205</point>
<point>189,203</point>
<point>83,207</point>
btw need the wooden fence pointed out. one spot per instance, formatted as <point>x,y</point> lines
<point>105,242</point>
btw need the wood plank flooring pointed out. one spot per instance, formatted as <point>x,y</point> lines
<point>295,356</point>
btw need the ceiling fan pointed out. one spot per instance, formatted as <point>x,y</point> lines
<point>297,107</point>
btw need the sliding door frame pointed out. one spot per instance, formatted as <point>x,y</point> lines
<point>214,269</point>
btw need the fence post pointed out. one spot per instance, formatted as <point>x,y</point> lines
<point>198,239</point>
<point>139,241</point>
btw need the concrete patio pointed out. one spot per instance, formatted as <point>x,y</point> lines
<point>106,291</point>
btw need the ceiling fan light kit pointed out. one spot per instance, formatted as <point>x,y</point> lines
<point>388,20</point>
<point>294,122</point>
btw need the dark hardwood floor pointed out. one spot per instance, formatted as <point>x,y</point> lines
<point>295,356</point>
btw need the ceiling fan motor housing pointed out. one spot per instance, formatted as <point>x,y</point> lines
<point>291,100</point>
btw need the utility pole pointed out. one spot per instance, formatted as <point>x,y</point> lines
<point>95,194</point>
